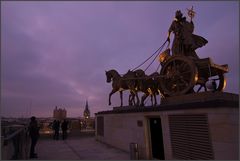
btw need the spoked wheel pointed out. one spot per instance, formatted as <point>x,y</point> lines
<point>179,75</point>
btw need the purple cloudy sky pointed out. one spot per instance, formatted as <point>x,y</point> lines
<point>56,53</point>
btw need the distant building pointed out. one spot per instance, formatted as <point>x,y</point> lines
<point>59,114</point>
<point>87,122</point>
<point>83,122</point>
<point>86,112</point>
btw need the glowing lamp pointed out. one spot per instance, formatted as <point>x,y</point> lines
<point>163,57</point>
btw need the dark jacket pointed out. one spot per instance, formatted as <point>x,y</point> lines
<point>33,129</point>
<point>64,125</point>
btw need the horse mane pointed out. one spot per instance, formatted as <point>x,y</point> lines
<point>129,74</point>
<point>140,73</point>
<point>154,74</point>
<point>114,72</point>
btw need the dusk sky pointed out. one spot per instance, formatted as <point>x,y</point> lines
<point>56,53</point>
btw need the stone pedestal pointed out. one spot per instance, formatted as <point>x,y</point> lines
<point>196,126</point>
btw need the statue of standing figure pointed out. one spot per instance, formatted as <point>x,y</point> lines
<point>184,42</point>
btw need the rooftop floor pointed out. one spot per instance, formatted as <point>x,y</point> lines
<point>78,146</point>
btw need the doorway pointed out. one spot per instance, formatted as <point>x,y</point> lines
<point>156,138</point>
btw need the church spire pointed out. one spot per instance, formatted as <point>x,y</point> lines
<point>86,112</point>
<point>86,104</point>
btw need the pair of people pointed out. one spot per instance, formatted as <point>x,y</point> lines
<point>56,128</point>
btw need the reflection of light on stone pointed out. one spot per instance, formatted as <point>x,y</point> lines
<point>224,83</point>
<point>47,132</point>
<point>196,78</point>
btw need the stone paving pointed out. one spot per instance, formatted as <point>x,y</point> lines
<point>77,148</point>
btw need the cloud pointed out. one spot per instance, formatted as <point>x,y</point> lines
<point>56,53</point>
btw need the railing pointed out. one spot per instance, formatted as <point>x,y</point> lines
<point>15,144</point>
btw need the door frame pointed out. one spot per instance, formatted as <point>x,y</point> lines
<point>149,139</point>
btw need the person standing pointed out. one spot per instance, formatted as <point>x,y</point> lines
<point>34,134</point>
<point>64,127</point>
<point>56,126</point>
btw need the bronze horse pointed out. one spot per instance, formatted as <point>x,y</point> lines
<point>149,85</point>
<point>121,83</point>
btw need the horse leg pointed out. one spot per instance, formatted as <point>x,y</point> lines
<point>130,103</point>
<point>205,88</point>
<point>121,97</point>
<point>151,99</point>
<point>136,94</point>
<point>143,99</point>
<point>110,95</point>
<point>199,88</point>
<point>155,99</point>
<point>132,98</point>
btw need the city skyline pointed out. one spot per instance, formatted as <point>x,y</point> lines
<point>56,53</point>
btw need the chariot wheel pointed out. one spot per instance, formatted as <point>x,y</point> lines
<point>179,76</point>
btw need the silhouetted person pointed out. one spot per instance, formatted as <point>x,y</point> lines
<point>184,42</point>
<point>56,127</point>
<point>34,134</point>
<point>64,127</point>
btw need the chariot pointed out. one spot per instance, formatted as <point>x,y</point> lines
<point>181,74</point>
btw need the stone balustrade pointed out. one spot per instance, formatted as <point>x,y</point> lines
<point>15,142</point>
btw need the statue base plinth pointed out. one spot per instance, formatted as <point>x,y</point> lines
<point>205,125</point>
<point>199,97</point>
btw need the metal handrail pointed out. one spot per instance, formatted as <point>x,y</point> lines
<point>19,141</point>
<point>14,134</point>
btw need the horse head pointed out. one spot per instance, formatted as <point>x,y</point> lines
<point>111,74</point>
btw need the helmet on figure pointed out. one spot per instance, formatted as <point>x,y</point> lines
<point>178,14</point>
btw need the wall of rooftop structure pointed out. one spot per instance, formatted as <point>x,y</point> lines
<point>209,127</point>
